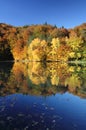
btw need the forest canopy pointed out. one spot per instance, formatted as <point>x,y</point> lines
<point>42,43</point>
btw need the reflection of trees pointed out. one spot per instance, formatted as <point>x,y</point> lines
<point>38,78</point>
<point>17,79</point>
<point>37,73</point>
<point>5,70</point>
<point>73,82</point>
<point>58,72</point>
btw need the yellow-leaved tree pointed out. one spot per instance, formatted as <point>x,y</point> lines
<point>52,55</point>
<point>76,44</point>
<point>37,50</point>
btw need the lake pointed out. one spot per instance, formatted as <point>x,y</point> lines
<point>42,96</point>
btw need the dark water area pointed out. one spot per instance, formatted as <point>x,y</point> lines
<point>37,96</point>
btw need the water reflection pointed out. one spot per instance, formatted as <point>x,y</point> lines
<point>38,96</point>
<point>37,78</point>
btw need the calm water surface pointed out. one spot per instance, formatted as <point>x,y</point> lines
<point>37,96</point>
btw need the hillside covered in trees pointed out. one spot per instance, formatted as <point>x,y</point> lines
<point>42,43</point>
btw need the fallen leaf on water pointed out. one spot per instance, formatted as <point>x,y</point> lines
<point>20,114</point>
<point>9,118</point>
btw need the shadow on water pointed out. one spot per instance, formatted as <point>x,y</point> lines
<point>37,96</point>
<point>6,66</point>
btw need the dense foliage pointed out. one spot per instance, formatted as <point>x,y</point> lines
<point>42,43</point>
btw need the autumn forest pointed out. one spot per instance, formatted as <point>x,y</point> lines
<point>42,43</point>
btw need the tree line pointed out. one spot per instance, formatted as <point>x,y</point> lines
<point>42,43</point>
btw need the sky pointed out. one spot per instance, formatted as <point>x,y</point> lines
<point>67,13</point>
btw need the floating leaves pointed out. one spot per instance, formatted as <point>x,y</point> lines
<point>9,118</point>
